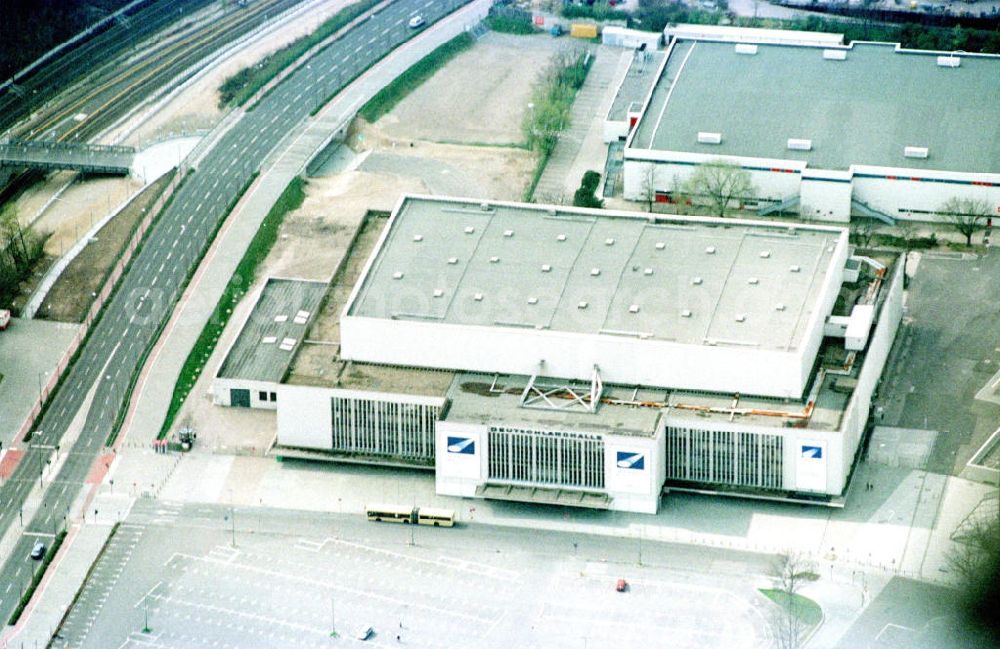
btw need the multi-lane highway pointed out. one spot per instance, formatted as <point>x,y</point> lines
<point>146,295</point>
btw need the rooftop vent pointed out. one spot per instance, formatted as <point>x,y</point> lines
<point>741,317</point>
<point>478,297</point>
<point>835,55</point>
<point>418,237</point>
<point>765,254</point>
<point>696,281</point>
<point>301,317</point>
<point>469,229</point>
<point>660,245</point>
<point>532,300</point>
<point>269,340</point>
<point>397,275</point>
<point>705,137</point>
<point>915,152</point>
<point>685,313</point>
<point>582,304</point>
<point>647,271</point>
<point>452,260</point>
<point>484,206</point>
<point>281,318</point>
<point>609,242</point>
<point>634,308</point>
<point>508,233</point>
<point>287,344</point>
<point>595,271</point>
<point>494,260</point>
<point>746,48</point>
<point>753,281</point>
<point>796,144</point>
<point>710,250</point>
<point>779,307</point>
<point>949,61</point>
<point>795,268</point>
<point>561,237</point>
<point>546,268</point>
<point>438,293</point>
<point>552,211</point>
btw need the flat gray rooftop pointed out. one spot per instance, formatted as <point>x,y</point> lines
<point>274,330</point>
<point>496,400</point>
<point>638,81</point>
<point>862,110</point>
<point>668,278</point>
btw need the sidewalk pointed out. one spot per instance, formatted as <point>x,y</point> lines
<point>558,180</point>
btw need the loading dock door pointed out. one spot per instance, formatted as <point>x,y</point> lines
<point>239,398</point>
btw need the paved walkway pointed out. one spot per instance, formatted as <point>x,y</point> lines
<point>562,175</point>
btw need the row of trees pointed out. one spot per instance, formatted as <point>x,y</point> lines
<point>20,249</point>
<point>722,185</point>
<point>549,111</point>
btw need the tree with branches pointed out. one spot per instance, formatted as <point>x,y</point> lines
<point>967,215</point>
<point>720,183</point>
<point>791,571</point>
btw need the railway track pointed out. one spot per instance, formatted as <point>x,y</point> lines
<point>119,85</point>
<point>140,70</point>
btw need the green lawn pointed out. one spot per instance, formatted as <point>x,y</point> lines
<point>808,611</point>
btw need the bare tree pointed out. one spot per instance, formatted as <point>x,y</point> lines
<point>967,215</point>
<point>863,231</point>
<point>720,182</point>
<point>647,187</point>
<point>791,571</point>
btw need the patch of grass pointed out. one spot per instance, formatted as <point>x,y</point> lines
<point>240,87</point>
<point>388,97</point>
<point>806,610</point>
<point>36,578</point>
<point>511,25</point>
<point>290,200</point>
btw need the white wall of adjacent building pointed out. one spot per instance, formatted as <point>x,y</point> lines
<point>824,195</point>
<point>260,392</point>
<point>621,359</point>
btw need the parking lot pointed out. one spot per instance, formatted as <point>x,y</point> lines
<point>944,355</point>
<point>292,579</point>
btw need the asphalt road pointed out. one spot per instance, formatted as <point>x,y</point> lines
<point>148,293</point>
<point>281,578</point>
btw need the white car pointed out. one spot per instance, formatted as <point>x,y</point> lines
<point>364,633</point>
<point>416,22</point>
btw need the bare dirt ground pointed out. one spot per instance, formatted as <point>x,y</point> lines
<point>479,97</point>
<point>197,107</point>
<point>71,296</point>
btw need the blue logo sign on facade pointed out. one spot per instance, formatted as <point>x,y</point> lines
<point>812,452</point>
<point>628,460</point>
<point>462,445</point>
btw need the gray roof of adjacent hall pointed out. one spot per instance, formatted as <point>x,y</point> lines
<point>273,316</point>
<point>636,274</point>
<point>862,110</point>
<point>638,81</point>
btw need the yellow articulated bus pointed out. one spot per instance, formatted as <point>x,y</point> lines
<point>404,514</point>
<point>436,517</point>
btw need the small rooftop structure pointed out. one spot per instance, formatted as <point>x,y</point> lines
<point>273,330</point>
<point>751,35</point>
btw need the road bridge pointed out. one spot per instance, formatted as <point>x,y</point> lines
<point>49,156</point>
